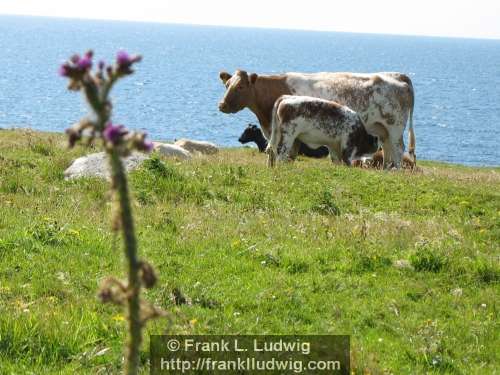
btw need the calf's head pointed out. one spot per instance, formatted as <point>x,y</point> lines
<point>239,91</point>
<point>360,143</point>
<point>252,133</point>
<point>368,146</point>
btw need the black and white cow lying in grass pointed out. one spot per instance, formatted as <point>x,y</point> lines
<point>318,122</point>
<point>253,133</point>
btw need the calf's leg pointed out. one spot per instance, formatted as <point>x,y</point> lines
<point>335,153</point>
<point>294,151</point>
<point>285,147</point>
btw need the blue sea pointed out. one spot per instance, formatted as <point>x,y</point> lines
<point>176,88</point>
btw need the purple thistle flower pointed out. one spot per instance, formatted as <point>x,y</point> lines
<point>101,65</point>
<point>84,63</point>
<point>114,133</point>
<point>75,58</point>
<point>148,146</point>
<point>64,70</point>
<point>123,58</point>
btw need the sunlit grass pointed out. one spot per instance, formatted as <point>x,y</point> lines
<point>305,248</point>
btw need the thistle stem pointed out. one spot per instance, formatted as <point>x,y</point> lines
<point>127,224</point>
<point>118,142</point>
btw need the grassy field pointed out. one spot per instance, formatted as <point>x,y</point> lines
<point>407,264</point>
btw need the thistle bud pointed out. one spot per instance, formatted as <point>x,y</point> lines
<point>114,133</point>
<point>148,275</point>
<point>105,295</point>
<point>124,62</point>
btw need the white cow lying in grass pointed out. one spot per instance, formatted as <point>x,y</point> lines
<point>318,122</point>
<point>197,146</point>
<point>168,150</point>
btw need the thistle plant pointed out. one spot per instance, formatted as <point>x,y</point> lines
<point>118,142</point>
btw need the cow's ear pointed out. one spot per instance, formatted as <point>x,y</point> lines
<point>253,78</point>
<point>224,76</point>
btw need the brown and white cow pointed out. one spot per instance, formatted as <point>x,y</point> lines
<point>384,101</point>
<point>318,122</point>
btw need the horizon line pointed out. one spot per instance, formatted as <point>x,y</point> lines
<point>492,38</point>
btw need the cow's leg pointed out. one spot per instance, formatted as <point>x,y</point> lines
<point>388,149</point>
<point>271,157</point>
<point>394,140</point>
<point>346,157</point>
<point>380,130</point>
<point>295,149</point>
<point>285,147</point>
<point>397,146</point>
<point>272,145</point>
<point>284,152</point>
<point>335,153</point>
<point>334,157</point>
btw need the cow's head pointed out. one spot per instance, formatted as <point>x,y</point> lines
<point>239,91</point>
<point>252,133</point>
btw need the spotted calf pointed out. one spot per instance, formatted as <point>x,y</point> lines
<point>318,122</point>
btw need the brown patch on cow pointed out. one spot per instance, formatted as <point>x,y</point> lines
<point>243,75</point>
<point>266,90</point>
<point>239,93</point>
<point>285,113</point>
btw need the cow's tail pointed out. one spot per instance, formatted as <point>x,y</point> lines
<point>411,135</point>
<point>411,132</point>
<point>272,146</point>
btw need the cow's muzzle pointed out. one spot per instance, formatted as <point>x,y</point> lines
<point>223,107</point>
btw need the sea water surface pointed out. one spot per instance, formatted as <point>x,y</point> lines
<point>176,88</point>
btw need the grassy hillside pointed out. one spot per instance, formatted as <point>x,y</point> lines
<point>408,264</point>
